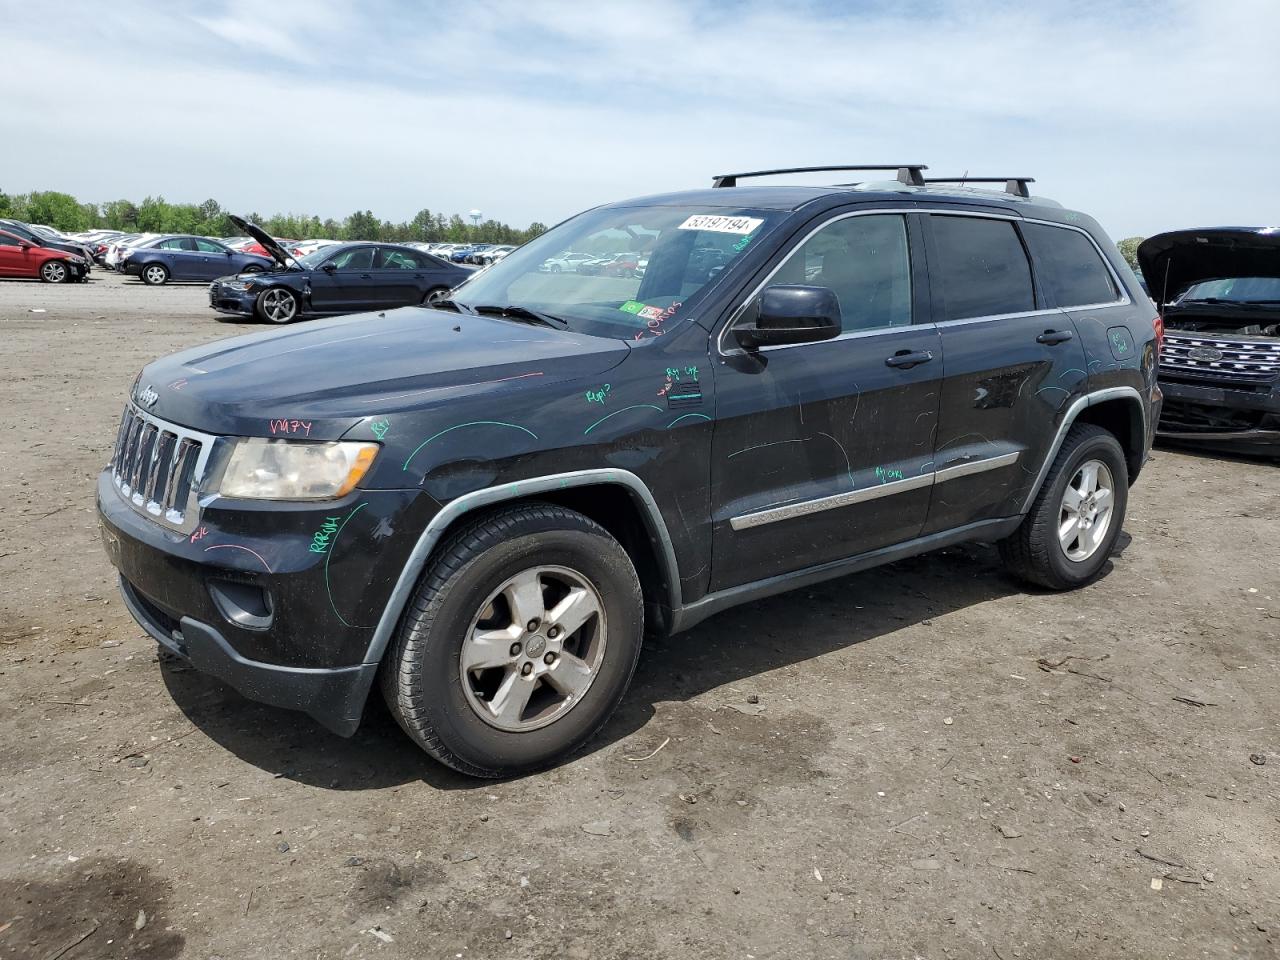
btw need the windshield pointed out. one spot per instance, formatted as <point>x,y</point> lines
<point>620,271</point>
<point>1235,289</point>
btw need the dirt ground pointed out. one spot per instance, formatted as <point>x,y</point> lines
<point>921,761</point>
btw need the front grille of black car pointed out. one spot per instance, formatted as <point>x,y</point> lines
<point>157,467</point>
<point>1220,360</point>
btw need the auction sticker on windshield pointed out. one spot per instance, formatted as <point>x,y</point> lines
<point>716,224</point>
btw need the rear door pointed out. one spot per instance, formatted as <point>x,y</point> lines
<point>398,277</point>
<point>1013,365</point>
<point>822,451</point>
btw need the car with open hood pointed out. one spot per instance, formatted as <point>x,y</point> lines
<point>1218,290</point>
<point>481,506</point>
<point>334,279</point>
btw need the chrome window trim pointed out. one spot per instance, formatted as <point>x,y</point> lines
<point>489,496</point>
<point>1124,300</point>
<point>804,508</point>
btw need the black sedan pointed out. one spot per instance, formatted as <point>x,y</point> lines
<point>188,258</point>
<point>338,279</point>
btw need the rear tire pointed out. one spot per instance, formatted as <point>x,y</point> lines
<point>1067,537</point>
<point>155,275</point>
<point>435,295</point>
<point>54,271</point>
<point>468,675</point>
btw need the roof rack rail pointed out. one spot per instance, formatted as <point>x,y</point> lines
<point>1013,185</point>
<point>908,173</point>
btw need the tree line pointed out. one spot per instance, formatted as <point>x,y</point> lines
<point>156,215</point>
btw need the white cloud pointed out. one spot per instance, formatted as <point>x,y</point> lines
<point>1147,116</point>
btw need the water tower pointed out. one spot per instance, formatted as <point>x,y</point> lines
<point>475,216</point>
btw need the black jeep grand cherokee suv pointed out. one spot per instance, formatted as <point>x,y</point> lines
<point>482,505</point>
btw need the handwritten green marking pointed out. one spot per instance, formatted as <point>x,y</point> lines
<point>701,416</point>
<point>471,423</point>
<point>332,544</point>
<point>885,474</point>
<point>320,539</point>
<point>379,428</point>
<point>635,406</point>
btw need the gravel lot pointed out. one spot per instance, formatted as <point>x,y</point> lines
<point>920,761</point>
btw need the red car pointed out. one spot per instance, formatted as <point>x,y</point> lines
<point>21,258</point>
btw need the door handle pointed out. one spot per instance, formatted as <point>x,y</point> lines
<point>906,359</point>
<point>366,276</point>
<point>1052,337</point>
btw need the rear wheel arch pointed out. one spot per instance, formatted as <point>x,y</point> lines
<point>1123,418</point>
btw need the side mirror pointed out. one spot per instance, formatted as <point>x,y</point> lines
<point>329,267</point>
<point>25,244</point>
<point>787,314</point>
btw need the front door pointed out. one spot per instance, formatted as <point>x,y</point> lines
<point>1013,365</point>
<point>823,451</point>
<point>211,260</point>
<point>348,287</point>
<point>15,260</point>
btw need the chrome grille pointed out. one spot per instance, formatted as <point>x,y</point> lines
<point>1241,361</point>
<point>157,467</point>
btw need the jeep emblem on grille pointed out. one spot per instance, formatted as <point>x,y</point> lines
<point>148,397</point>
<point>1209,354</point>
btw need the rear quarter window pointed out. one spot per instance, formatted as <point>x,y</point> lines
<point>1069,266</point>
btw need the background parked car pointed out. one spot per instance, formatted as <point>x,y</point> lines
<point>567,262</point>
<point>189,258</point>
<point>37,239</point>
<point>342,278</point>
<point>19,257</point>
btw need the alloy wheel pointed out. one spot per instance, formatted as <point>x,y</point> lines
<point>1085,515</point>
<point>54,272</point>
<point>279,305</point>
<point>155,275</point>
<point>534,648</point>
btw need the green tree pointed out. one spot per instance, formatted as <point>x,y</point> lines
<point>361,226</point>
<point>1129,249</point>
<point>59,210</point>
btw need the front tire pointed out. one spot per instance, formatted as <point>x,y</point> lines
<point>276,305</point>
<point>1067,537</point>
<point>519,643</point>
<point>155,275</point>
<point>54,271</point>
<point>435,295</point>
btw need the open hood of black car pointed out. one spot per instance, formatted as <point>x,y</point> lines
<point>1173,261</point>
<point>274,250</point>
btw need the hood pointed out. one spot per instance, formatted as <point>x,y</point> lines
<point>334,373</point>
<point>1172,262</point>
<point>268,242</point>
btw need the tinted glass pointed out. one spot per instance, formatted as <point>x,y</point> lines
<point>866,262</point>
<point>208,246</point>
<point>982,268</point>
<point>360,258</point>
<point>389,258</point>
<point>1070,268</point>
<point>8,241</point>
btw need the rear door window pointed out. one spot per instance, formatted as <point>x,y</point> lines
<point>1070,268</point>
<point>390,258</point>
<point>982,268</point>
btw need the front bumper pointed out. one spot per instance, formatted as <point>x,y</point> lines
<point>235,302</point>
<point>1241,419</point>
<point>245,598</point>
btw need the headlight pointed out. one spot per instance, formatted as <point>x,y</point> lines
<point>262,469</point>
<point>240,285</point>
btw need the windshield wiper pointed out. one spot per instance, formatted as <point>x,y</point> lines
<point>523,314</point>
<point>453,305</point>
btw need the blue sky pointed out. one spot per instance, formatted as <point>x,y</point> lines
<point>1150,116</point>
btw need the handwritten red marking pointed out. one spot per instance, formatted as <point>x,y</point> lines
<point>199,534</point>
<point>291,427</point>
